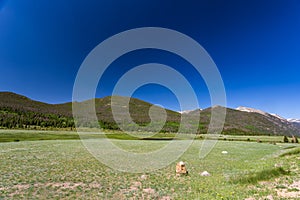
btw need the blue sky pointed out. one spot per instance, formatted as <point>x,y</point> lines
<point>255,45</point>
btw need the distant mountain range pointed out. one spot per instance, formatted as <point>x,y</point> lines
<point>17,111</point>
<point>295,122</point>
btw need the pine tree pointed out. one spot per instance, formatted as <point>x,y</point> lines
<point>285,139</point>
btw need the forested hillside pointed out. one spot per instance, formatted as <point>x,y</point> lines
<point>18,111</point>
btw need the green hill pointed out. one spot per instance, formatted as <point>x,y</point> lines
<point>138,110</point>
<point>18,111</point>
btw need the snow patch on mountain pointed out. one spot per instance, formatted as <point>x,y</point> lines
<point>278,116</point>
<point>293,120</point>
<point>185,111</point>
<point>189,111</point>
<point>246,109</point>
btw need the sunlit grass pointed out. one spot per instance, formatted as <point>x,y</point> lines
<point>291,152</point>
<point>64,169</point>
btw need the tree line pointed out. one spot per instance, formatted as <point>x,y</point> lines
<point>14,118</point>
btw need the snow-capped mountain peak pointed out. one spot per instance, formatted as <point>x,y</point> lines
<point>188,111</point>
<point>293,120</point>
<point>185,111</point>
<point>278,116</point>
<point>246,109</point>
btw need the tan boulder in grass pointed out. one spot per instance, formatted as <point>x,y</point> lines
<point>294,139</point>
<point>181,168</point>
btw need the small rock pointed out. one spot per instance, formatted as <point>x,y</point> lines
<point>144,177</point>
<point>181,169</point>
<point>205,173</point>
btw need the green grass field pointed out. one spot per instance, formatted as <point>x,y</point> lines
<point>63,169</point>
<point>15,135</point>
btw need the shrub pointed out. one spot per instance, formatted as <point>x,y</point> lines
<point>259,141</point>
<point>285,139</point>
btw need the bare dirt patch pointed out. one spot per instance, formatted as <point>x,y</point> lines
<point>22,188</point>
<point>291,191</point>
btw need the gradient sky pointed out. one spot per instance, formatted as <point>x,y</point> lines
<point>255,44</point>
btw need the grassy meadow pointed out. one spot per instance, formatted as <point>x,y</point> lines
<point>59,167</point>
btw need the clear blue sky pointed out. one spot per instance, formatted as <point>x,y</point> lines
<point>254,43</point>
